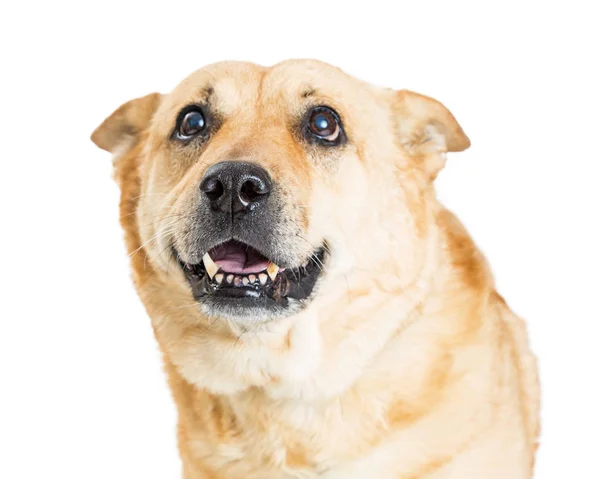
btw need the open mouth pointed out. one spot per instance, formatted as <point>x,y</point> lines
<point>234,272</point>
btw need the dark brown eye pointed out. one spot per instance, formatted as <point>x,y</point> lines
<point>324,124</point>
<point>193,123</point>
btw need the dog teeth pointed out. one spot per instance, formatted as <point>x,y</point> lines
<point>272,270</point>
<point>250,280</point>
<point>210,266</point>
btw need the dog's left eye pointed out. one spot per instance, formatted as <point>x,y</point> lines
<point>324,124</point>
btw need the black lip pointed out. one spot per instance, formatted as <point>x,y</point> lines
<point>291,284</point>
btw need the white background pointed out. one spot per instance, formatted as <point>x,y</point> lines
<point>82,393</point>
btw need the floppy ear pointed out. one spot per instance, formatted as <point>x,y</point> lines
<point>125,123</point>
<point>427,129</point>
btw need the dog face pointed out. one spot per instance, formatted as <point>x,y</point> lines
<point>264,191</point>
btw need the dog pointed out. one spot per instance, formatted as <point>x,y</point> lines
<point>320,313</point>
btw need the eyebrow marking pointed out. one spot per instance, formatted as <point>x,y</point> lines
<point>308,92</point>
<point>206,93</point>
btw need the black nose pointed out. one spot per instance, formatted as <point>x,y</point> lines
<point>235,186</point>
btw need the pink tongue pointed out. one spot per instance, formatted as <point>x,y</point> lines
<point>237,265</point>
<point>235,258</point>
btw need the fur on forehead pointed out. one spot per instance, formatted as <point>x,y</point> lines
<point>237,87</point>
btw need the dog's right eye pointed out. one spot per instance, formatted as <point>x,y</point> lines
<point>192,123</point>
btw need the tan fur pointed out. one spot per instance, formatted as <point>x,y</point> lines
<point>406,365</point>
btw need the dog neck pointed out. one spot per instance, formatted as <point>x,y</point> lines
<point>341,369</point>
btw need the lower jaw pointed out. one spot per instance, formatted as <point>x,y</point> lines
<point>248,310</point>
<point>244,306</point>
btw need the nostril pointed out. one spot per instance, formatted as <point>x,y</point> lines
<point>213,189</point>
<point>251,190</point>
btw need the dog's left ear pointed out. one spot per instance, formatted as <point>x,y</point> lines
<point>427,129</point>
<point>126,123</point>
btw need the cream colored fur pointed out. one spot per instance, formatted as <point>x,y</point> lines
<point>407,364</point>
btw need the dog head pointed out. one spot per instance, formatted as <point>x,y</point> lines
<point>264,191</point>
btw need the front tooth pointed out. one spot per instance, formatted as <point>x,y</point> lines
<point>252,278</point>
<point>272,269</point>
<point>245,280</point>
<point>219,277</point>
<point>237,281</point>
<point>262,277</point>
<point>210,265</point>
<point>229,278</point>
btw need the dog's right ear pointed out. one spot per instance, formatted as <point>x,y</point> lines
<point>125,123</point>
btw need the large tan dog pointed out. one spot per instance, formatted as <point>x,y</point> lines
<point>320,313</point>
